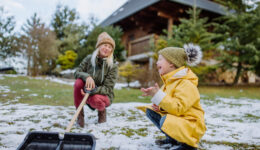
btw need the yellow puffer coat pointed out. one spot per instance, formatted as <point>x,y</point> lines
<point>181,104</point>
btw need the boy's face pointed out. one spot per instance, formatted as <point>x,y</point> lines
<point>164,66</point>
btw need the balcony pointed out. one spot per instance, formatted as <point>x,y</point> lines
<point>140,45</point>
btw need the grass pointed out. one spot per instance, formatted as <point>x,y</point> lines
<point>230,92</point>
<point>44,92</point>
<point>239,146</point>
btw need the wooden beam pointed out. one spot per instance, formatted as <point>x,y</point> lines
<point>170,23</point>
<point>164,15</point>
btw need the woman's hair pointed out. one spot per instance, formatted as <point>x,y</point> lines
<point>109,59</point>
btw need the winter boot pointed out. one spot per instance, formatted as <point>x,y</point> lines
<point>102,116</point>
<point>184,146</point>
<point>80,120</point>
<point>167,140</point>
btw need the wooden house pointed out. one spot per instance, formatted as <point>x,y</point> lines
<point>142,20</point>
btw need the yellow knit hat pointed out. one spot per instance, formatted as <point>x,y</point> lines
<point>190,54</point>
<point>105,38</point>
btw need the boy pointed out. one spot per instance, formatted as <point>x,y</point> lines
<point>176,108</point>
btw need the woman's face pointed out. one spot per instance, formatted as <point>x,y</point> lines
<point>105,50</point>
<point>164,66</point>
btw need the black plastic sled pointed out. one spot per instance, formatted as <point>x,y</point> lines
<point>38,140</point>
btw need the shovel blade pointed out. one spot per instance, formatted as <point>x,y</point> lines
<point>51,141</point>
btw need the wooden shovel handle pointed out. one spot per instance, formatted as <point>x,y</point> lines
<point>77,112</point>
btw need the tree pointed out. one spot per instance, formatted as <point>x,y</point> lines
<point>90,44</point>
<point>70,34</point>
<point>40,45</point>
<point>128,71</point>
<point>7,37</point>
<point>193,30</point>
<point>240,35</point>
<point>63,17</point>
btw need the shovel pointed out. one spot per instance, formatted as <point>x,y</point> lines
<point>38,140</point>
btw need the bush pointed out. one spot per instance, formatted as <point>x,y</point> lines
<point>67,61</point>
<point>128,71</point>
<point>206,73</point>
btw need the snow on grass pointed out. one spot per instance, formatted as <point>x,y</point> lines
<point>233,120</point>
<point>47,96</point>
<point>4,89</point>
<point>34,94</point>
<point>19,63</point>
<point>228,120</point>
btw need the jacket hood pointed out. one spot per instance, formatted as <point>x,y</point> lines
<point>180,73</point>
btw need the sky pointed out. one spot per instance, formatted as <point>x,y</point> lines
<point>24,9</point>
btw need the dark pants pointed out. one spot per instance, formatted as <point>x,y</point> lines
<point>157,121</point>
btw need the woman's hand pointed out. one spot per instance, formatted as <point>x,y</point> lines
<point>90,83</point>
<point>155,107</point>
<point>151,90</point>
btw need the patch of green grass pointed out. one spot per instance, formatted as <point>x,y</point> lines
<point>252,117</point>
<point>230,91</point>
<point>130,132</point>
<point>131,118</point>
<point>126,95</point>
<point>108,131</point>
<point>142,132</point>
<point>19,132</point>
<point>234,145</point>
<point>127,132</point>
<point>62,95</point>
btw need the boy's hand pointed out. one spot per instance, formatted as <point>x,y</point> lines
<point>151,90</point>
<point>155,107</point>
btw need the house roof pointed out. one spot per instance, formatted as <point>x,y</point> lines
<point>133,6</point>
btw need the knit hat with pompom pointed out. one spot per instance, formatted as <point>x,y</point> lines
<point>191,55</point>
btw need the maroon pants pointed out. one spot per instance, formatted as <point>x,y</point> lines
<point>97,101</point>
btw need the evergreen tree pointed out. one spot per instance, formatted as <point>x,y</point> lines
<point>63,17</point>
<point>69,32</point>
<point>193,30</point>
<point>240,35</point>
<point>7,37</point>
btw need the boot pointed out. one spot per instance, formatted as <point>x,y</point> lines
<point>102,116</point>
<point>167,140</point>
<point>80,120</point>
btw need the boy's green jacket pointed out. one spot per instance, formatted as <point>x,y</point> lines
<point>103,75</point>
<point>181,104</point>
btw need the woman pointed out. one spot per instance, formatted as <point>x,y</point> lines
<point>97,70</point>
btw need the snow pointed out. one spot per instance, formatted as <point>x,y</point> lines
<point>19,63</point>
<point>134,84</point>
<point>68,71</point>
<point>18,119</point>
<point>227,120</point>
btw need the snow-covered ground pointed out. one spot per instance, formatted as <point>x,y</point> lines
<point>127,128</point>
<point>19,63</point>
